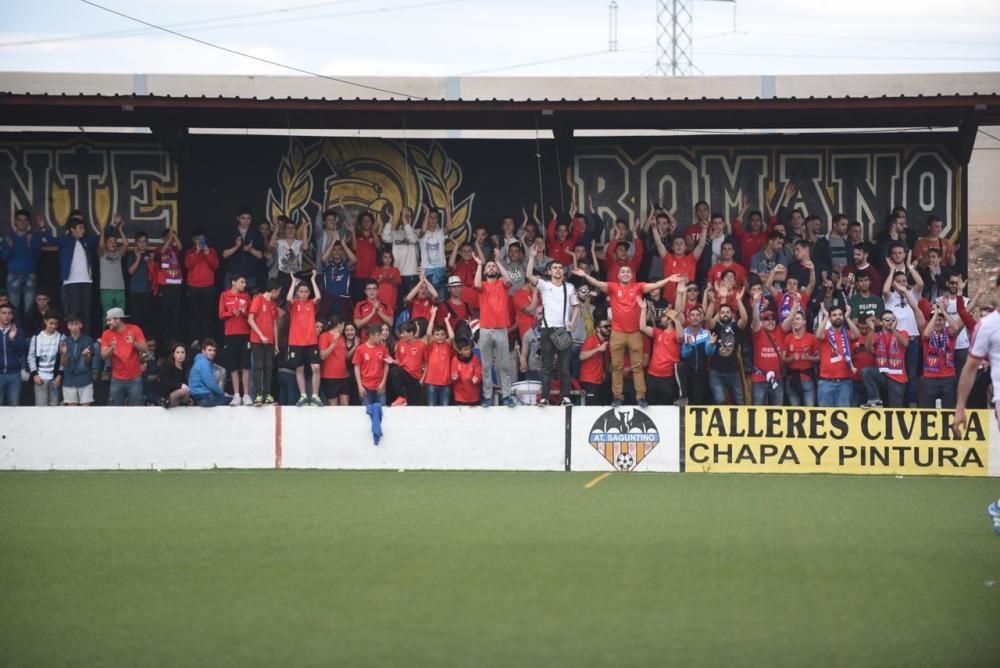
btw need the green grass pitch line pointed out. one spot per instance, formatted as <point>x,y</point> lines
<point>290,568</point>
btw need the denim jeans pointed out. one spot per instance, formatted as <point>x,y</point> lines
<point>435,276</point>
<point>805,398</point>
<point>766,395</point>
<point>211,400</point>
<point>938,388</point>
<point>438,395</point>
<point>374,397</point>
<point>21,290</point>
<point>10,389</point>
<point>913,361</point>
<point>720,381</point>
<point>835,393</point>
<point>126,389</point>
<point>875,380</point>
<point>549,354</point>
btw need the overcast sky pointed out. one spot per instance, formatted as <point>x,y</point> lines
<point>463,37</point>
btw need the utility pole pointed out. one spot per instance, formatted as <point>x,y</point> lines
<point>674,36</point>
<point>613,26</point>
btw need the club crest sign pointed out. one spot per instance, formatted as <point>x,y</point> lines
<point>624,436</point>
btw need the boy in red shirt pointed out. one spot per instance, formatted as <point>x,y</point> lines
<point>371,367</point>
<point>234,310</point>
<point>421,299</point>
<point>302,339</point>
<point>333,367</point>
<point>466,375</point>
<point>801,355</point>
<point>437,377</point>
<point>594,359</point>
<point>263,322</point>
<point>768,349</point>
<point>889,373</point>
<point>371,310</point>
<point>408,374</point>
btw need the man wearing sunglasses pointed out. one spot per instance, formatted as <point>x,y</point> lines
<point>889,373</point>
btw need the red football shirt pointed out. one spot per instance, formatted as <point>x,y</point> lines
<point>361,311</point>
<point>807,345</point>
<point>939,355</point>
<point>767,357</point>
<point>366,254</point>
<point>625,310</point>
<point>890,355</point>
<point>715,273</point>
<point>420,307</point>
<point>678,264</point>
<point>666,353</point>
<point>126,364</point>
<point>525,321</point>
<point>265,312</point>
<point>592,370</point>
<point>388,285</point>
<point>302,322</point>
<point>410,355</point>
<point>371,361</point>
<point>494,305</point>
<point>234,310</point>
<point>334,366</point>
<point>438,364</point>
<point>466,388</point>
<point>832,363</point>
<point>466,270</point>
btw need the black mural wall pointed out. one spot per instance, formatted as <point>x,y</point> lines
<point>480,181</point>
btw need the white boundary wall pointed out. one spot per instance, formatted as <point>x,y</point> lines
<point>457,438</point>
<point>136,438</point>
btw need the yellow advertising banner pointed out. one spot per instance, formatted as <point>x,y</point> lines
<point>759,439</point>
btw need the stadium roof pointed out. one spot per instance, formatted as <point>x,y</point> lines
<point>653,103</point>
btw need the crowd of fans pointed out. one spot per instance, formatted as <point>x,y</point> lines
<point>365,309</point>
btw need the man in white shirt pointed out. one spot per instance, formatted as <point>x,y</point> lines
<point>985,345</point>
<point>561,309</point>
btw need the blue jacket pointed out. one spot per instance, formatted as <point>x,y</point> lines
<point>78,372</point>
<point>200,379</point>
<point>66,244</point>
<point>12,352</point>
<point>22,257</point>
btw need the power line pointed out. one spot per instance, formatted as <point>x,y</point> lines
<point>183,24</point>
<point>224,22</point>
<point>252,57</point>
<point>989,135</point>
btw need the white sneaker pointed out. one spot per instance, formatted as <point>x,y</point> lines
<point>237,401</point>
<point>247,400</point>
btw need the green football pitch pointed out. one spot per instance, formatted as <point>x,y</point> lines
<point>290,568</point>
